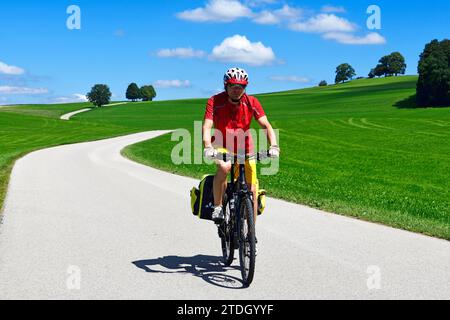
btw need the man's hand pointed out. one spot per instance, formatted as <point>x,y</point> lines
<point>210,152</point>
<point>274,152</point>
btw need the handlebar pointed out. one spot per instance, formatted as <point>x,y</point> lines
<point>242,157</point>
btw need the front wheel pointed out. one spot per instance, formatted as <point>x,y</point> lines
<point>247,247</point>
<point>226,230</point>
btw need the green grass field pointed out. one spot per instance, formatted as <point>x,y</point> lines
<point>349,149</point>
<point>355,149</point>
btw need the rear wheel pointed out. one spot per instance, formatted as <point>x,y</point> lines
<point>247,246</point>
<point>226,230</point>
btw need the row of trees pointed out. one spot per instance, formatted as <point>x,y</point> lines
<point>100,94</point>
<point>390,65</point>
<point>146,93</point>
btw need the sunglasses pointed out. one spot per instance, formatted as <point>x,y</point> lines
<point>239,86</point>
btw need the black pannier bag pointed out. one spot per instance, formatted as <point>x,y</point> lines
<point>202,198</point>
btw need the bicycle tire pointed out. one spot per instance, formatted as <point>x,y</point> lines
<point>247,245</point>
<point>227,240</point>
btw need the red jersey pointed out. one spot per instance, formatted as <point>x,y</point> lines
<point>233,121</point>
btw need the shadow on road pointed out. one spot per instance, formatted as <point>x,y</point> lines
<point>210,268</point>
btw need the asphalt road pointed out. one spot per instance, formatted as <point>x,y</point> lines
<point>67,116</point>
<point>82,222</point>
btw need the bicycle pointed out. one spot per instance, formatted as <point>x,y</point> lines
<point>237,231</point>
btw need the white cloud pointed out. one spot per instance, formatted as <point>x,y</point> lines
<point>258,3</point>
<point>217,11</point>
<point>239,49</point>
<point>233,49</point>
<point>164,84</point>
<point>22,90</point>
<point>372,38</point>
<point>180,53</point>
<point>266,17</point>
<point>286,13</point>
<point>290,79</point>
<point>81,97</point>
<point>7,69</point>
<point>324,23</point>
<point>331,9</point>
<point>338,29</point>
<point>76,97</point>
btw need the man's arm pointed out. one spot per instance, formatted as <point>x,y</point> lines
<point>207,126</point>
<point>270,133</point>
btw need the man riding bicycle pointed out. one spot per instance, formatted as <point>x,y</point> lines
<point>231,113</point>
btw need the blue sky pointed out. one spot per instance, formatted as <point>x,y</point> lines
<point>184,47</point>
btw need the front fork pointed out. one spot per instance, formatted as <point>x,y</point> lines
<point>234,205</point>
<point>239,218</point>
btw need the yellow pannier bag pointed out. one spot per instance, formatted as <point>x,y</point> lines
<point>261,201</point>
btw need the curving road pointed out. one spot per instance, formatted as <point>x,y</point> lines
<point>67,116</point>
<point>82,222</point>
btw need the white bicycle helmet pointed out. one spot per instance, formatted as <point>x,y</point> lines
<point>235,76</point>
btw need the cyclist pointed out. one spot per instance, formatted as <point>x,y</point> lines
<point>231,113</point>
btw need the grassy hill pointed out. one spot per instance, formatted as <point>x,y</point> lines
<point>354,149</point>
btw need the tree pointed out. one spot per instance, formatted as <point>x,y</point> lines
<point>148,93</point>
<point>323,83</point>
<point>379,70</point>
<point>384,65</point>
<point>344,72</point>
<point>371,74</point>
<point>433,86</point>
<point>100,95</point>
<point>392,64</point>
<point>133,93</point>
<point>397,63</point>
